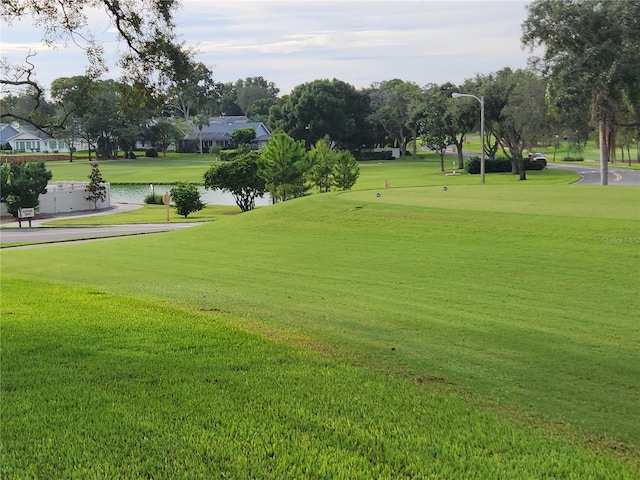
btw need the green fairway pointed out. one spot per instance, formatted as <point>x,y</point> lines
<point>507,312</point>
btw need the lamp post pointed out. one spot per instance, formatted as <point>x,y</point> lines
<point>481,100</point>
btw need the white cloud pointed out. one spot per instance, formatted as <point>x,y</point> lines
<point>296,41</point>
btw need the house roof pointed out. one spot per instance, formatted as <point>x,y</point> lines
<point>221,128</point>
<point>208,136</point>
<point>6,132</point>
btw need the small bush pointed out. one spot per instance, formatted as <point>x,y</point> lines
<point>7,147</point>
<point>153,199</point>
<point>573,159</point>
<point>364,156</point>
<point>186,198</point>
<point>151,152</point>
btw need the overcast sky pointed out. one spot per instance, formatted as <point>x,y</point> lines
<point>294,42</point>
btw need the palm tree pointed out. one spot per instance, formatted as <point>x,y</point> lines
<point>201,120</point>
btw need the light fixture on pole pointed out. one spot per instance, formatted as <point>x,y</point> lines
<point>481,100</point>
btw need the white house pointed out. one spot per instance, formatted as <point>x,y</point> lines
<point>24,140</point>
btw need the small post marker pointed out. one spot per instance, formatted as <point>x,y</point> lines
<point>166,199</point>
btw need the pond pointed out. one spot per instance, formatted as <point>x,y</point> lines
<point>135,194</point>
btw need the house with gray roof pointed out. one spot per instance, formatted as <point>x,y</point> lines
<point>219,131</point>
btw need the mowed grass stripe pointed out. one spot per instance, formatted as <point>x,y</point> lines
<point>103,385</point>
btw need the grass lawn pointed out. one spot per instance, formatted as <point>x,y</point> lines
<point>482,332</point>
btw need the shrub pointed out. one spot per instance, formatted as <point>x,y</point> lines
<point>573,159</point>
<point>366,155</point>
<point>228,155</point>
<point>215,150</point>
<point>151,152</point>
<point>186,198</point>
<point>153,199</point>
<point>7,147</point>
<point>500,164</point>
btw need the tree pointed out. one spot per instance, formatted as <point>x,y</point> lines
<point>96,190</point>
<point>186,198</point>
<point>345,171</point>
<point>243,136</point>
<point>282,165</point>
<point>163,133</point>
<point>200,121</point>
<point>324,107</point>
<point>238,177</point>
<point>436,134</point>
<point>152,57</point>
<point>193,91</point>
<point>322,160</point>
<point>390,108</point>
<point>22,184</point>
<point>591,47</point>
<point>252,89</point>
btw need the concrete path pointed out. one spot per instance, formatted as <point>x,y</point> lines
<point>11,233</point>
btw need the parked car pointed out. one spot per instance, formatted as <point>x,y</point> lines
<point>537,156</point>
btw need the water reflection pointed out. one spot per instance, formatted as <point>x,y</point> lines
<point>136,194</point>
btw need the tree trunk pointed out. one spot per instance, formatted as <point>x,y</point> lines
<point>441,152</point>
<point>460,156</point>
<point>522,169</point>
<point>415,141</point>
<point>604,154</point>
<point>514,166</point>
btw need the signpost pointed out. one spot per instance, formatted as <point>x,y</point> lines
<point>25,214</point>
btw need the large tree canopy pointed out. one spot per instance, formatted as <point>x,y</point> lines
<point>151,56</point>
<point>592,48</point>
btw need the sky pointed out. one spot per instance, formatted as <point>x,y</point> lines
<point>297,41</point>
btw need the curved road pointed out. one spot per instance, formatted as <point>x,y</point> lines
<point>590,175</point>
<point>37,234</point>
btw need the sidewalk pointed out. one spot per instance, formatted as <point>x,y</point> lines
<point>38,220</point>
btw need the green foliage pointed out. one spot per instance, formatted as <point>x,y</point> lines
<point>186,198</point>
<point>282,165</point>
<point>345,171</point>
<point>500,164</point>
<point>96,190</point>
<point>365,155</point>
<point>153,199</point>
<point>22,183</point>
<point>240,178</point>
<point>243,136</point>
<point>215,150</point>
<point>151,153</point>
<point>322,160</point>
<point>7,147</point>
<point>324,107</point>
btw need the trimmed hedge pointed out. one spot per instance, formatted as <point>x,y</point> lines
<point>364,156</point>
<point>500,164</point>
<point>151,152</point>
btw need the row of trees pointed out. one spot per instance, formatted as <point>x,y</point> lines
<point>587,79</point>
<point>285,170</point>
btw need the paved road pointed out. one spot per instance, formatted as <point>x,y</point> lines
<point>10,233</point>
<point>64,234</point>
<point>591,174</point>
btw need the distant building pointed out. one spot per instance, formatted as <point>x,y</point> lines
<point>219,131</point>
<point>25,140</point>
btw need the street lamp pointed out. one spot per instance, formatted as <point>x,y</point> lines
<point>481,100</point>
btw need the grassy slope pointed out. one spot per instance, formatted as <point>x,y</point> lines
<point>96,385</point>
<point>524,312</point>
